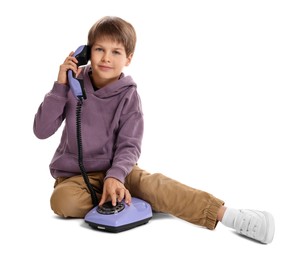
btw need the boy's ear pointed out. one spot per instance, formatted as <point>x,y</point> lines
<point>129,59</point>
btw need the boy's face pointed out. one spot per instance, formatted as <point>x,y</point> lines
<point>108,58</point>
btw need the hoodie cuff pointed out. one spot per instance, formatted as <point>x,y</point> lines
<point>116,173</point>
<point>60,90</point>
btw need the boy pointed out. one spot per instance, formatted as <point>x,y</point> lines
<point>112,127</point>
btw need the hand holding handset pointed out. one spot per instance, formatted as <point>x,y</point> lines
<point>82,54</point>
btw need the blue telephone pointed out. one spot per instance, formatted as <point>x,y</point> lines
<point>82,54</point>
<point>107,217</point>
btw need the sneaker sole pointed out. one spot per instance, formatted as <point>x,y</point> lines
<point>270,228</point>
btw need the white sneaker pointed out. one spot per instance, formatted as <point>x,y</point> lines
<point>258,225</point>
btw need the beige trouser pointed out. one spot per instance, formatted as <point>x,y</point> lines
<point>71,197</point>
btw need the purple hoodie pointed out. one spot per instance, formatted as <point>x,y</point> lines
<point>111,126</point>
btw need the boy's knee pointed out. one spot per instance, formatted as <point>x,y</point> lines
<point>64,203</point>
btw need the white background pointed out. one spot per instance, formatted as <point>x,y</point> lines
<point>219,86</point>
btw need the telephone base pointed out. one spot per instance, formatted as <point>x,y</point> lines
<point>120,217</point>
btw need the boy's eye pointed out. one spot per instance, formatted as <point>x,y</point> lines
<point>99,49</point>
<point>116,52</point>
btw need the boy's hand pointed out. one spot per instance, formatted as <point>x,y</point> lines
<point>70,63</point>
<point>116,191</point>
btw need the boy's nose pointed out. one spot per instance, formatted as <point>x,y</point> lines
<point>105,58</point>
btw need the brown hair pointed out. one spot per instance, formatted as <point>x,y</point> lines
<point>116,29</point>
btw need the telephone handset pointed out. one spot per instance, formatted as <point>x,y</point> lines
<point>82,54</point>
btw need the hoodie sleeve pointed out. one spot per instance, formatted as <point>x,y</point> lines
<point>129,138</point>
<point>50,113</point>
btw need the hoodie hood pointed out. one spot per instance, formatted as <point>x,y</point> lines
<point>112,89</point>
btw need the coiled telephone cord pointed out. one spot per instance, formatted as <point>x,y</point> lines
<point>94,197</point>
